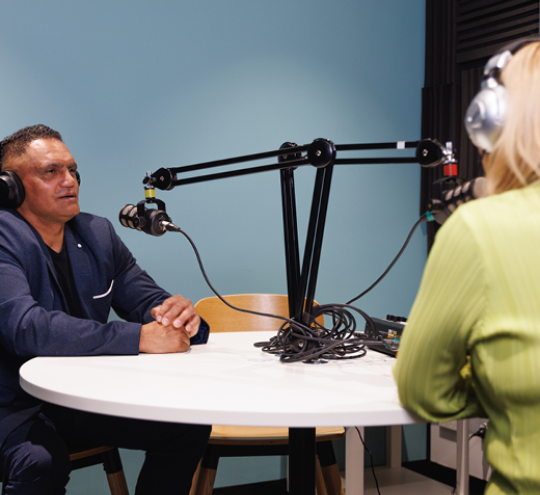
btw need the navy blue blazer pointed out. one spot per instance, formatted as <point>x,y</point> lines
<point>33,310</point>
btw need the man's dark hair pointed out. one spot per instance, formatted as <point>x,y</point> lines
<point>16,144</point>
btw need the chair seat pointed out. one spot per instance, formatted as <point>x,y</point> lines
<point>246,435</point>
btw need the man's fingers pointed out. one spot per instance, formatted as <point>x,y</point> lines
<point>156,312</point>
<point>178,312</point>
<point>192,326</point>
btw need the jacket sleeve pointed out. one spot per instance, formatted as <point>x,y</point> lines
<point>432,371</point>
<point>29,329</point>
<point>33,322</point>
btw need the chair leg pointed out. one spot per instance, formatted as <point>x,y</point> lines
<point>319,479</point>
<point>195,479</point>
<point>205,483</point>
<point>207,471</point>
<point>329,468</point>
<point>115,472</point>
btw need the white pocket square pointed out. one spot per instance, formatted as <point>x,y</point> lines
<point>106,293</point>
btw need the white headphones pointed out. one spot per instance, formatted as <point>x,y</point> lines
<point>485,116</point>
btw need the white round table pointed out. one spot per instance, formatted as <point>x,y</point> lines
<point>227,381</point>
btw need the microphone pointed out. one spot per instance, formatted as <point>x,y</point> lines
<point>441,209</point>
<point>152,221</point>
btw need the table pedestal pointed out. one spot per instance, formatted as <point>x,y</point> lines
<point>302,452</point>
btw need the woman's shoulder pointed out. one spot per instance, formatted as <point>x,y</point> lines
<point>499,219</point>
<point>510,205</point>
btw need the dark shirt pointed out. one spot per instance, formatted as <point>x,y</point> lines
<point>64,275</point>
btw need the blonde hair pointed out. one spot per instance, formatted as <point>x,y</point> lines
<point>515,159</point>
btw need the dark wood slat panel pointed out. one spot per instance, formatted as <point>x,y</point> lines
<point>498,34</point>
<point>479,26</point>
<point>485,27</point>
<point>481,8</point>
<point>495,43</point>
<point>440,40</point>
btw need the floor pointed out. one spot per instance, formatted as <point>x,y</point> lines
<point>403,482</point>
<point>391,482</point>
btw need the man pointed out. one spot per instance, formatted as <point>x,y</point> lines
<point>61,271</point>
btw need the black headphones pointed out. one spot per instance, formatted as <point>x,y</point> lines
<point>485,116</point>
<point>12,189</point>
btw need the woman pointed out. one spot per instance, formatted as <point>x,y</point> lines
<point>472,344</point>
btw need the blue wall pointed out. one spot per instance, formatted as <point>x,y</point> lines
<point>134,86</point>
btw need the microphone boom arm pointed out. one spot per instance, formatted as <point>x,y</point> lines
<point>166,178</point>
<point>321,153</point>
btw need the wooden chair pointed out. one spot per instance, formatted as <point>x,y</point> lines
<point>108,456</point>
<point>235,441</point>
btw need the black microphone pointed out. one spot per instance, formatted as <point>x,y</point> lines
<point>442,208</point>
<point>152,221</point>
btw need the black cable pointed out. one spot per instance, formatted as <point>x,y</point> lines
<point>342,341</point>
<point>371,459</point>
<point>203,271</point>
<point>481,432</point>
<point>422,219</point>
<point>296,341</point>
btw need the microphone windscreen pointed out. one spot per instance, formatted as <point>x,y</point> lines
<point>128,216</point>
<point>452,198</point>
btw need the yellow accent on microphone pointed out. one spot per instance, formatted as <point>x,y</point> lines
<point>150,193</point>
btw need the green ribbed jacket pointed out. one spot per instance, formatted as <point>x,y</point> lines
<point>472,343</point>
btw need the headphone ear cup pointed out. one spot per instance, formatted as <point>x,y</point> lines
<point>11,190</point>
<point>484,119</point>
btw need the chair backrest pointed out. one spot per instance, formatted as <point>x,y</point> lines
<point>222,318</point>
